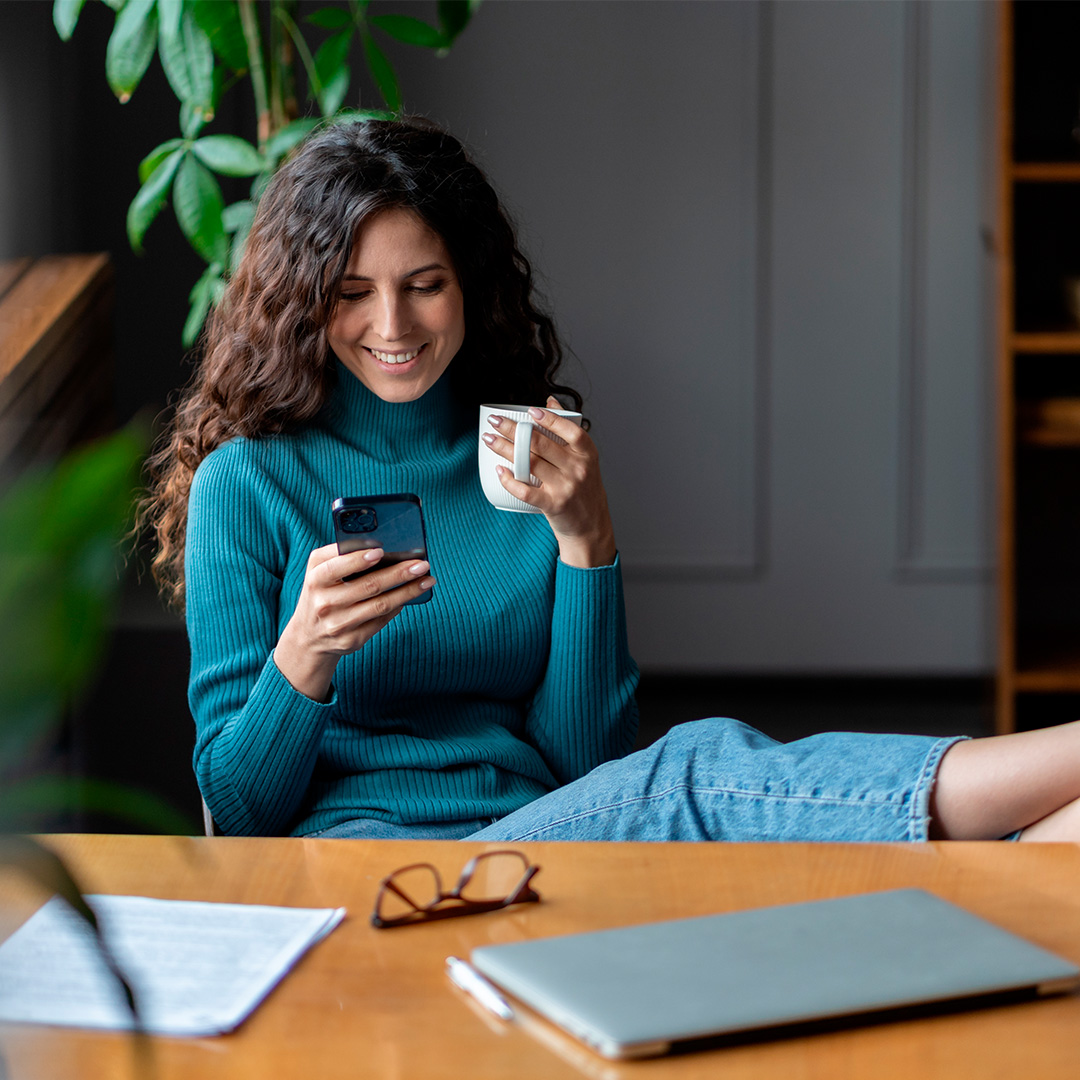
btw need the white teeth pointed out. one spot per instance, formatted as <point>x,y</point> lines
<point>394,358</point>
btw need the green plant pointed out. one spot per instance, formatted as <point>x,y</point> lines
<point>60,535</point>
<point>206,48</point>
<point>45,868</point>
<point>61,529</point>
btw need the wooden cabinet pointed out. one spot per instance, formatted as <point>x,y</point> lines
<point>56,378</point>
<point>1039,370</point>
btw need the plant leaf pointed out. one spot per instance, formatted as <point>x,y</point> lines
<point>156,157</point>
<point>238,219</point>
<point>411,31</point>
<point>332,66</point>
<point>315,87</point>
<point>151,196</point>
<point>291,135</point>
<point>202,295</point>
<point>238,215</point>
<point>229,155</point>
<point>22,803</point>
<point>221,24</point>
<point>116,5</point>
<point>65,15</point>
<point>131,46</point>
<point>345,115</point>
<point>192,120</point>
<point>198,203</point>
<point>454,16</point>
<point>200,61</point>
<point>382,73</point>
<point>188,59</point>
<point>335,90</point>
<point>169,15</point>
<point>40,512</point>
<point>258,186</point>
<point>330,18</point>
<point>45,867</point>
<point>59,560</point>
<point>239,246</point>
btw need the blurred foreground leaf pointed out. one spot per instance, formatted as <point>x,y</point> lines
<point>60,530</point>
<point>43,867</point>
<point>26,802</point>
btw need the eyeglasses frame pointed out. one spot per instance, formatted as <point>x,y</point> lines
<point>523,893</point>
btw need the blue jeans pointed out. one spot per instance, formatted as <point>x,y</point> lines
<point>723,780</point>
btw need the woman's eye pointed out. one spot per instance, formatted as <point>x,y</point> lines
<point>426,288</point>
<point>352,297</point>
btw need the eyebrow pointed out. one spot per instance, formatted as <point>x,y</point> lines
<point>411,273</point>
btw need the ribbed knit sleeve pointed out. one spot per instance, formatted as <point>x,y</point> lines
<point>584,711</point>
<point>257,738</point>
<point>514,678</point>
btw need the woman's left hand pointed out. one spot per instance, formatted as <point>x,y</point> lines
<point>570,493</point>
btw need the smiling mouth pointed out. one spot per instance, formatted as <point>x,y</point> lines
<point>396,358</point>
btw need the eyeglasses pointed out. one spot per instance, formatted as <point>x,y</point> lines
<point>493,880</point>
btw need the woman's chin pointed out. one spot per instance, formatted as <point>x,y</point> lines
<point>397,388</point>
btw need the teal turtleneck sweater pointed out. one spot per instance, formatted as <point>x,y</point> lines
<point>515,677</point>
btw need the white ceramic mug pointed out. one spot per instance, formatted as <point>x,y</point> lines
<point>489,461</point>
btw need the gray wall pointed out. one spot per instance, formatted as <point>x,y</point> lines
<point>760,228</point>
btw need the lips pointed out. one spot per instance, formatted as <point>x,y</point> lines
<point>396,358</point>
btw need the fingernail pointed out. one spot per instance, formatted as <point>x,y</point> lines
<point>489,438</point>
<point>427,584</point>
<point>372,554</point>
<point>495,421</point>
<point>535,413</point>
<point>500,469</point>
<point>419,568</point>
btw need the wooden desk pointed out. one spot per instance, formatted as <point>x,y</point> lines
<point>371,1003</point>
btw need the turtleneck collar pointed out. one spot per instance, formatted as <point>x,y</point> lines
<point>393,430</point>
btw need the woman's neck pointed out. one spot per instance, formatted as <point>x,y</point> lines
<point>389,429</point>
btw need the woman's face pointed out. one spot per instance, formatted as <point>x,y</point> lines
<point>400,317</point>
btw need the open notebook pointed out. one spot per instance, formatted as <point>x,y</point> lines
<point>632,992</point>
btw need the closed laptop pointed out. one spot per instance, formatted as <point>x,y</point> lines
<point>633,991</point>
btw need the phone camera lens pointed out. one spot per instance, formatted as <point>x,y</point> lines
<point>360,520</point>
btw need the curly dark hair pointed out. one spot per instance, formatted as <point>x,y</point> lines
<point>266,365</point>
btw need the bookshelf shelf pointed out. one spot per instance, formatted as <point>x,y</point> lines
<point>1039,365</point>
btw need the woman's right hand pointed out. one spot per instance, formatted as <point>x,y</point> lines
<point>334,617</point>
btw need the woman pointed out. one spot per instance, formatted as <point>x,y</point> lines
<point>380,300</point>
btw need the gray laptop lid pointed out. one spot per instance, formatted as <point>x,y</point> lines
<point>632,991</point>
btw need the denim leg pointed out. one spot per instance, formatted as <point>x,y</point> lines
<point>720,779</point>
<point>373,829</point>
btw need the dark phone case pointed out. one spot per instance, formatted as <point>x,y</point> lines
<point>399,530</point>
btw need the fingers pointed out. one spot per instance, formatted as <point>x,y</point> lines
<point>372,610</point>
<point>527,493</point>
<point>376,583</point>
<point>559,440</point>
<point>572,434</point>
<point>335,616</point>
<point>349,590</point>
<point>321,555</point>
<point>327,567</point>
<point>343,614</point>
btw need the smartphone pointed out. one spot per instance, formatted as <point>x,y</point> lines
<point>393,522</point>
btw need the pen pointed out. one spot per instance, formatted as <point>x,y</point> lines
<point>476,986</point>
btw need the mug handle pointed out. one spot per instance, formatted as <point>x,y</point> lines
<point>522,449</point>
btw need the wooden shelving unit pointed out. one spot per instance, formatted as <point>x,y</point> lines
<point>1039,369</point>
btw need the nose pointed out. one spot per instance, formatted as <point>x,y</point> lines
<point>393,319</point>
